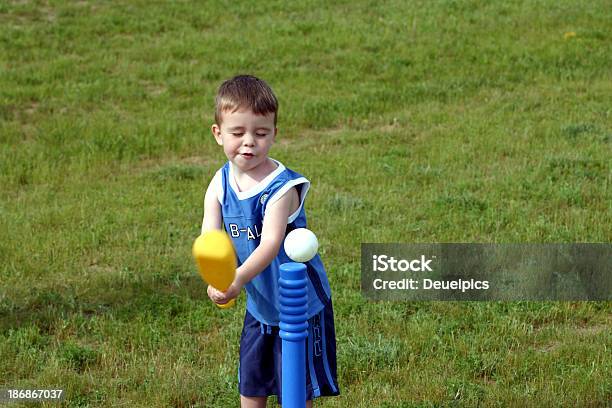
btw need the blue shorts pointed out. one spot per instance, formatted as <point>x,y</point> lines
<point>259,373</point>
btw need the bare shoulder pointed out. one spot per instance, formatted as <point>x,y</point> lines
<point>211,190</point>
<point>212,209</point>
<point>289,201</point>
<point>295,200</point>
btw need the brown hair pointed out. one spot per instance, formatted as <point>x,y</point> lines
<point>245,92</point>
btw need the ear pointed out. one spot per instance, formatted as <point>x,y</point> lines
<point>216,131</point>
<point>274,135</point>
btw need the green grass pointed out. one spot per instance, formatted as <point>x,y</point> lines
<point>422,121</point>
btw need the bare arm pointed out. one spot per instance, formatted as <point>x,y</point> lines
<point>212,220</point>
<point>272,236</point>
<point>212,209</point>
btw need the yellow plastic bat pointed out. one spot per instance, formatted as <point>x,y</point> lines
<point>214,254</point>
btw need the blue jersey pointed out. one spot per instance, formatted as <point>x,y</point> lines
<point>243,214</point>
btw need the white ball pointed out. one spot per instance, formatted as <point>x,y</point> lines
<point>301,245</point>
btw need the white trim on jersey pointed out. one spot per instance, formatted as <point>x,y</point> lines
<point>284,189</point>
<point>259,187</point>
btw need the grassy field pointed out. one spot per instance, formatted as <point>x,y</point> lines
<point>419,121</point>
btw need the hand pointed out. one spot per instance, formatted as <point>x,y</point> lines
<point>222,298</point>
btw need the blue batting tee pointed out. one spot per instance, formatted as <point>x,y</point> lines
<point>243,213</point>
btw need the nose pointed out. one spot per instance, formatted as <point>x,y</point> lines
<point>248,139</point>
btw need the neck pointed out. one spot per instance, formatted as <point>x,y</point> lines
<point>258,173</point>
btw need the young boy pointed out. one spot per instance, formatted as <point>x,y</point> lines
<point>259,201</point>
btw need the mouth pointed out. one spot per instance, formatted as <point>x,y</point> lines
<point>247,155</point>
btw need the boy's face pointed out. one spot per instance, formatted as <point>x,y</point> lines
<point>246,137</point>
